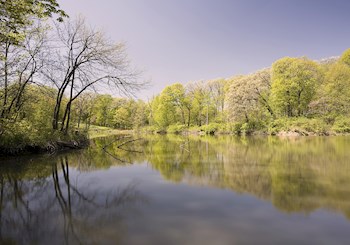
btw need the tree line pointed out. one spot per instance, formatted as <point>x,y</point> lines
<point>294,93</point>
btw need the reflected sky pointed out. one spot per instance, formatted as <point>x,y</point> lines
<point>181,190</point>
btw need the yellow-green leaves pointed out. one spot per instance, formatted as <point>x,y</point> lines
<point>334,94</point>
<point>16,16</point>
<point>294,82</point>
<point>345,58</point>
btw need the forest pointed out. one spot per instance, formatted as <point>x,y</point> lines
<point>55,71</point>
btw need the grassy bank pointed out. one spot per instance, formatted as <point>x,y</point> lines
<point>300,126</point>
<point>99,131</point>
<point>22,137</point>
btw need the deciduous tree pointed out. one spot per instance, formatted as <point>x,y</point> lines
<point>84,59</point>
<point>294,82</point>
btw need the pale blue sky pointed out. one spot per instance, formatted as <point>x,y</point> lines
<point>190,40</point>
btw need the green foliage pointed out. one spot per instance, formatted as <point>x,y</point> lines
<point>103,110</point>
<point>17,15</point>
<point>150,129</point>
<point>259,102</point>
<point>170,106</point>
<point>341,125</point>
<point>211,128</point>
<point>15,134</point>
<point>345,57</point>
<point>235,128</point>
<point>177,128</point>
<point>21,135</point>
<point>100,131</point>
<point>301,125</point>
<point>333,96</point>
<point>294,82</point>
<point>251,126</point>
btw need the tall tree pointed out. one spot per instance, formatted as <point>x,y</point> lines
<point>294,81</point>
<point>217,90</point>
<point>199,95</point>
<point>84,59</point>
<point>333,95</point>
<point>103,110</point>
<point>19,67</point>
<point>164,108</point>
<point>248,96</point>
<point>21,42</point>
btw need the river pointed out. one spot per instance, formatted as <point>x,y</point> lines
<point>180,190</point>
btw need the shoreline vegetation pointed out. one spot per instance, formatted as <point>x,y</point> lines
<point>80,139</point>
<point>310,99</point>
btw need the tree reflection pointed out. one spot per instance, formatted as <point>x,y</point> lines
<point>54,198</point>
<point>295,174</point>
<point>46,209</point>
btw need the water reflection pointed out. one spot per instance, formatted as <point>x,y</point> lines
<point>90,196</point>
<point>295,174</point>
<point>46,201</point>
<point>300,174</point>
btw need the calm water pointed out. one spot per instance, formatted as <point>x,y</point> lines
<point>181,190</point>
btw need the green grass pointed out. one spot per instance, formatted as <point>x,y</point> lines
<point>100,131</point>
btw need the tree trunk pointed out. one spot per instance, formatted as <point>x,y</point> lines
<point>189,117</point>
<point>207,118</point>
<point>7,47</point>
<point>56,111</point>
<point>299,101</point>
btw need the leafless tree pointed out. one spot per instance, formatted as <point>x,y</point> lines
<point>84,59</point>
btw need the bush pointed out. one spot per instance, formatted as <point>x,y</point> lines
<point>211,128</point>
<point>341,125</point>
<point>194,129</point>
<point>235,128</point>
<point>301,125</point>
<point>16,137</point>
<point>252,126</point>
<point>177,129</point>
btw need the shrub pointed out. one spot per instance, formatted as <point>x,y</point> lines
<point>18,136</point>
<point>15,135</point>
<point>301,125</point>
<point>251,126</point>
<point>211,128</point>
<point>235,128</point>
<point>341,125</point>
<point>176,128</point>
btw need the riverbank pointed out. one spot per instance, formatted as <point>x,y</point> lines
<point>100,131</point>
<point>48,141</point>
<point>51,146</point>
<point>19,139</point>
<point>51,141</point>
<point>280,127</point>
